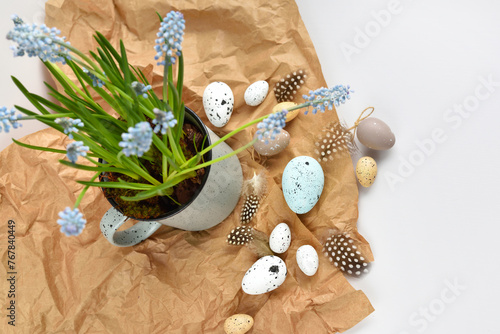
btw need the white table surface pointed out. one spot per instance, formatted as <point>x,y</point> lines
<point>430,216</point>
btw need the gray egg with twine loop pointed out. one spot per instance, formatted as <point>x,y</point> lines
<point>375,134</point>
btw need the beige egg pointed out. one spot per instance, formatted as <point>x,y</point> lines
<point>366,171</point>
<point>285,105</point>
<point>273,147</point>
<point>238,324</point>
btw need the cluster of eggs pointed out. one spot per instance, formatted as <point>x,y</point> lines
<point>302,184</point>
<point>269,272</point>
<point>377,135</point>
<point>218,102</point>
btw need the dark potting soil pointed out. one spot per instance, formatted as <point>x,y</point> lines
<point>191,143</point>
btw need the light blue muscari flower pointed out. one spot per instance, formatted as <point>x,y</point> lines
<point>37,41</point>
<point>76,149</point>
<point>164,120</point>
<point>69,125</point>
<point>17,20</point>
<point>8,119</point>
<point>270,127</point>
<point>72,222</point>
<point>170,37</point>
<point>137,140</point>
<point>96,82</point>
<point>324,98</point>
<point>140,89</point>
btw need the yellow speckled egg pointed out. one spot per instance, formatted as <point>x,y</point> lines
<point>366,171</point>
<point>285,105</point>
<point>238,324</point>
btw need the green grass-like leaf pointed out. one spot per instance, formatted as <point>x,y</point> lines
<point>159,16</point>
<point>38,148</point>
<point>106,45</point>
<point>29,96</point>
<point>180,76</point>
<point>99,169</point>
<point>117,185</point>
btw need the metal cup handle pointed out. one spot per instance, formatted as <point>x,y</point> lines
<point>113,219</point>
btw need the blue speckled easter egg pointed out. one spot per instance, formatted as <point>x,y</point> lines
<point>302,183</point>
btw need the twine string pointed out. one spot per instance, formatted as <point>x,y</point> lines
<point>361,118</point>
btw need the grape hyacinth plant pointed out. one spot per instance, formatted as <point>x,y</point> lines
<point>72,222</point>
<point>96,82</point>
<point>69,125</point>
<point>149,128</point>
<point>171,34</point>
<point>38,41</point>
<point>137,140</point>
<point>323,98</point>
<point>270,127</point>
<point>140,89</point>
<point>76,149</point>
<point>8,119</point>
<point>163,121</point>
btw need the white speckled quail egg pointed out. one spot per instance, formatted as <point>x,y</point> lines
<point>265,275</point>
<point>256,93</point>
<point>218,101</point>
<point>280,238</point>
<point>302,183</point>
<point>307,259</point>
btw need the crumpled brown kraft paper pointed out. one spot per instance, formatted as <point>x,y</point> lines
<point>178,281</point>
